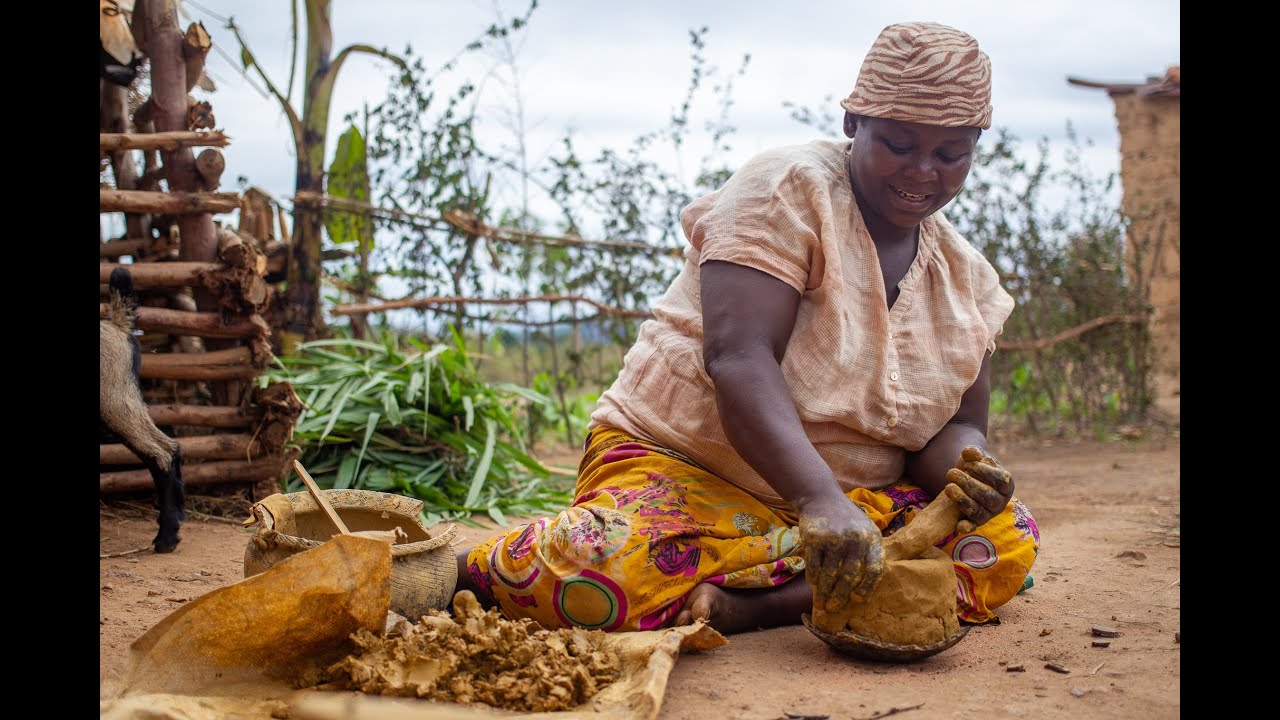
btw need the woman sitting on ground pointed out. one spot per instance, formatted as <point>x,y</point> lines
<point>803,388</point>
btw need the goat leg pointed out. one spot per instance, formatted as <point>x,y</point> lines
<point>123,410</point>
<point>166,473</point>
<point>170,500</point>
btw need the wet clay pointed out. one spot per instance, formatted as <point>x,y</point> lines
<point>481,657</point>
<point>914,603</point>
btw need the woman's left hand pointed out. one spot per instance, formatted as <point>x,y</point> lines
<point>980,485</point>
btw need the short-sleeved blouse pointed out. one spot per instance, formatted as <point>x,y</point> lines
<point>870,383</point>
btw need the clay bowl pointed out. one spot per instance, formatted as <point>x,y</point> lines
<point>868,648</point>
<point>910,615</point>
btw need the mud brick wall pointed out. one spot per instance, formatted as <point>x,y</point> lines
<point>1150,168</point>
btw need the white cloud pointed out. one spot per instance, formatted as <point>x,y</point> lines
<point>613,70</point>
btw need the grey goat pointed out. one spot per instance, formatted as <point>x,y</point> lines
<point>124,412</point>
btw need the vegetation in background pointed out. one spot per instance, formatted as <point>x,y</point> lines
<point>466,448</point>
<point>427,161</point>
<point>1063,262</point>
<point>415,419</point>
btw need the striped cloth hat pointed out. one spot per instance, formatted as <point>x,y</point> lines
<point>925,73</point>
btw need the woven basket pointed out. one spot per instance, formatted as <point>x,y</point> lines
<point>424,569</point>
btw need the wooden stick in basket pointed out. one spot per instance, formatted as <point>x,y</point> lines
<point>320,498</point>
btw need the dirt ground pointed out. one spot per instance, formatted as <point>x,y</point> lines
<point>1109,519</point>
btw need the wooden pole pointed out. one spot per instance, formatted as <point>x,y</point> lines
<point>169,203</point>
<point>230,356</point>
<point>195,47</point>
<point>219,416</point>
<point>211,473</point>
<point>284,227</point>
<point>210,165</point>
<point>234,251</point>
<point>425,302</point>
<point>183,300</point>
<point>166,274</point>
<point>256,214</point>
<point>127,246</point>
<point>115,119</point>
<point>167,49</point>
<point>198,372</point>
<point>151,178</point>
<point>199,324</point>
<point>253,288</point>
<point>204,447</point>
<point>161,140</point>
<point>176,61</point>
<point>277,260</point>
<point>239,288</point>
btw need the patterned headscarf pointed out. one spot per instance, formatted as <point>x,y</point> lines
<point>925,73</point>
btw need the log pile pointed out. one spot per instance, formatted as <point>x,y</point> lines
<point>203,286</point>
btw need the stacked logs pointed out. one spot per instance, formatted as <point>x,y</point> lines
<point>203,287</point>
<point>242,440</point>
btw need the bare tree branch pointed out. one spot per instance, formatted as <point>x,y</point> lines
<point>1042,343</point>
<point>369,49</point>
<point>246,56</point>
<point>427,302</point>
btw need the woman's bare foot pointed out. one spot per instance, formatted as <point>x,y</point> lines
<point>467,582</point>
<point>721,610</point>
<point>731,610</point>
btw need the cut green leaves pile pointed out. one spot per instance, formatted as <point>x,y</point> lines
<point>416,421</point>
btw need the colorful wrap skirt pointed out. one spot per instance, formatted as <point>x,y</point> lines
<point>647,525</point>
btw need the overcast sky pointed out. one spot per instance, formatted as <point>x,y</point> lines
<point>610,71</point>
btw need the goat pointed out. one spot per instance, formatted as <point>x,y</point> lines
<point>124,412</point>
<point>118,53</point>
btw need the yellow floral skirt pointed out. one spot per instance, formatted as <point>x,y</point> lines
<point>647,525</point>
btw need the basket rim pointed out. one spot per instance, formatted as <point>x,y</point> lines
<point>414,548</point>
<point>263,514</point>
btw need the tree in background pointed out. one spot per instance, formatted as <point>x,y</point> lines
<point>303,317</point>
<point>349,179</point>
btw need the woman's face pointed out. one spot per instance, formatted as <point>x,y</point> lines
<point>903,171</point>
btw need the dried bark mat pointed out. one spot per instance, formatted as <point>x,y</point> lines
<point>318,621</point>
<point>480,657</point>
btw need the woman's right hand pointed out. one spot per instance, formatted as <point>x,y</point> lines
<point>842,549</point>
<point>747,319</point>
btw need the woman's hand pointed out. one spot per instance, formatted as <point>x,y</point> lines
<point>843,551</point>
<point>980,485</point>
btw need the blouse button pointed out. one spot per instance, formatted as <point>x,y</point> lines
<point>893,375</point>
<point>893,420</point>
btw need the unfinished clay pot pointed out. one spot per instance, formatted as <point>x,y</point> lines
<point>911,614</point>
<point>424,570</point>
